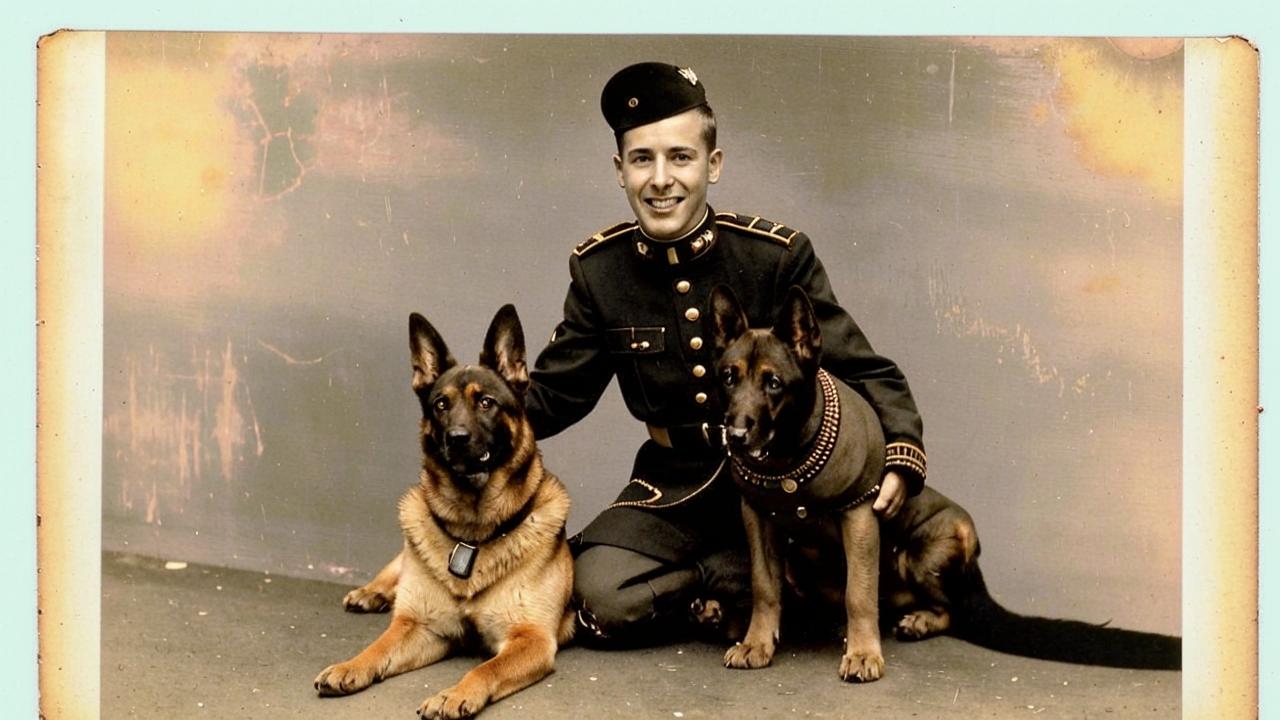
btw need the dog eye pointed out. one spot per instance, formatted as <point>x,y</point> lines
<point>486,403</point>
<point>728,377</point>
<point>773,383</point>
<point>441,404</point>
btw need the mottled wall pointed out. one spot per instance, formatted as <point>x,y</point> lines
<point>1002,217</point>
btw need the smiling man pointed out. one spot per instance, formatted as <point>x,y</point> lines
<point>637,309</point>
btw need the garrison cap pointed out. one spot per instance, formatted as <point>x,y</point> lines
<point>648,92</point>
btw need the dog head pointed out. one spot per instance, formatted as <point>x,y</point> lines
<point>768,378</point>
<point>471,414</point>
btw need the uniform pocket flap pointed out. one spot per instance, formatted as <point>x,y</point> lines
<point>636,340</point>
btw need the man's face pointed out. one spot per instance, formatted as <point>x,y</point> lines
<point>665,167</point>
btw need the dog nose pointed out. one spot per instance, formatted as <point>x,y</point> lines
<point>457,436</point>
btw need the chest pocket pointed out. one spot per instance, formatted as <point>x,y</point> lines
<point>637,340</point>
<point>640,358</point>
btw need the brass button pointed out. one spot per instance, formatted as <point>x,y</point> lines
<point>789,486</point>
<point>683,286</point>
<point>695,343</point>
<point>692,314</point>
<point>700,398</point>
<point>801,512</point>
<point>699,371</point>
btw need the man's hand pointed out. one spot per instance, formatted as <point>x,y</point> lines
<point>893,492</point>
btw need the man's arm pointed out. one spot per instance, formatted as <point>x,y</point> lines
<point>572,372</point>
<point>848,355</point>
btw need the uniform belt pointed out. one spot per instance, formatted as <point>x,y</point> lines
<point>699,436</point>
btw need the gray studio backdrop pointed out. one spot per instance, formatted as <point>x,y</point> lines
<point>1002,217</point>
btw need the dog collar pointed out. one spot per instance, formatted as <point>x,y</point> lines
<point>463,556</point>
<point>819,453</point>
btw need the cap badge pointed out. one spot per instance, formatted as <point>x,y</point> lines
<point>689,75</point>
<point>633,102</point>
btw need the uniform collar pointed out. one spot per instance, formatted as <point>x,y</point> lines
<point>690,246</point>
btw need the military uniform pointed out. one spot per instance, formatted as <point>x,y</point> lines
<point>637,309</point>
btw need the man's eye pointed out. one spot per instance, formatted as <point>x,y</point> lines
<point>486,403</point>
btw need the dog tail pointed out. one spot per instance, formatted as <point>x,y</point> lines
<point>979,619</point>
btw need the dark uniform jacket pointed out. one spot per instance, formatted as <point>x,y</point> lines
<point>638,309</point>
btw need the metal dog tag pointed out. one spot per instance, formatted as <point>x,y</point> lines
<point>462,559</point>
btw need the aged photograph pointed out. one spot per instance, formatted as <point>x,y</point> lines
<point>707,369</point>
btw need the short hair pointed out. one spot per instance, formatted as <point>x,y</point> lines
<point>708,128</point>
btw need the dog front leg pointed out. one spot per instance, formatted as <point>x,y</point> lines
<point>764,543</point>
<point>405,645</point>
<point>380,593</point>
<point>527,655</point>
<point>860,533</point>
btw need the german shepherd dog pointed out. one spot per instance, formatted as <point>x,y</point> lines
<point>485,556</point>
<point>930,582</point>
<point>807,453</point>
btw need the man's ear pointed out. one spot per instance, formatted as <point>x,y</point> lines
<point>617,168</point>
<point>715,161</point>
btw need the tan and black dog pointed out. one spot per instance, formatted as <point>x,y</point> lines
<point>929,580</point>
<point>485,556</point>
<point>807,453</point>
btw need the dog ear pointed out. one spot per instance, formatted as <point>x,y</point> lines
<point>797,327</point>
<point>428,353</point>
<point>728,321</point>
<point>504,349</point>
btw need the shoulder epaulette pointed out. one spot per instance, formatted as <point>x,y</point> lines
<point>754,224</point>
<point>601,237</point>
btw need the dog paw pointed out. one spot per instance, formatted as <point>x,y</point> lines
<point>364,600</point>
<point>707,612</point>
<point>451,704</point>
<point>912,626</point>
<point>343,679</point>
<point>861,667</point>
<point>749,655</point>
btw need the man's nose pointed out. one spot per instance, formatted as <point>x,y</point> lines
<point>661,174</point>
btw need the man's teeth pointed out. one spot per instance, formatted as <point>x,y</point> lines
<point>663,203</point>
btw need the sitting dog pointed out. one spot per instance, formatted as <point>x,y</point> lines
<point>929,580</point>
<point>485,556</point>
<point>807,453</point>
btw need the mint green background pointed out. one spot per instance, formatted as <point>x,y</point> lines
<point>17,55</point>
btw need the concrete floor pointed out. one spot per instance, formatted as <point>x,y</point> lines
<point>209,641</point>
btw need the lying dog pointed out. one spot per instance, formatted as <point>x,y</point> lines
<point>930,582</point>
<point>807,453</point>
<point>485,556</point>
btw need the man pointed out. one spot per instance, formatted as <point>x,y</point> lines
<point>637,308</point>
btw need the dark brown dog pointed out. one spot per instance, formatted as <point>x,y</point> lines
<point>929,581</point>
<point>807,453</point>
<point>485,556</point>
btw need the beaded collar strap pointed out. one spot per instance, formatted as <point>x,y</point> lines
<point>818,455</point>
